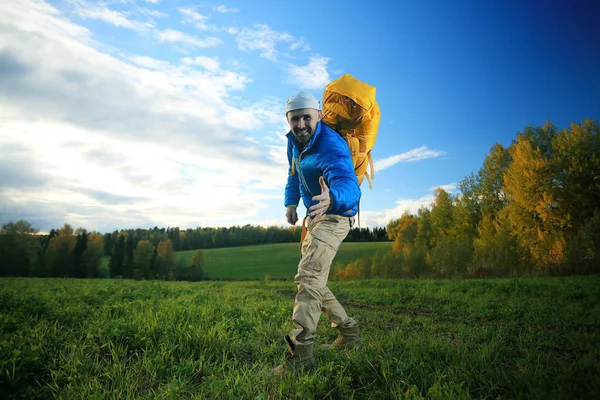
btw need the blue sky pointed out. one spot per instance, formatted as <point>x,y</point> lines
<point>134,113</point>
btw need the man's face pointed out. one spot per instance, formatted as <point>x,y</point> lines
<point>303,123</point>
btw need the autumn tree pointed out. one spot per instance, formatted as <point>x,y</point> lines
<point>92,256</point>
<point>58,258</point>
<point>357,269</point>
<point>488,186</point>
<point>409,257</point>
<point>66,230</point>
<point>532,205</point>
<point>442,214</point>
<point>198,265</point>
<point>495,248</point>
<point>451,250</point>
<point>424,237</point>
<point>143,260</point>
<point>404,231</point>
<point>576,179</point>
<point>467,208</point>
<point>166,258</point>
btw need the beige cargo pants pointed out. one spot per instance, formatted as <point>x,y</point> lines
<point>323,238</point>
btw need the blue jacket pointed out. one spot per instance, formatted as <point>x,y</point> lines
<point>326,154</point>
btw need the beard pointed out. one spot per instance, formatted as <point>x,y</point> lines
<point>303,135</point>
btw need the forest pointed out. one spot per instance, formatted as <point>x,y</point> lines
<point>134,253</point>
<point>533,208</point>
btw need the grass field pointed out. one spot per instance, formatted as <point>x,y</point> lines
<point>278,260</point>
<point>533,338</point>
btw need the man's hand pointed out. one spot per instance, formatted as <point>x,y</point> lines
<point>324,201</point>
<point>291,215</point>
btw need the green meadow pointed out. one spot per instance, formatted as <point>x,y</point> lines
<point>533,338</point>
<point>278,260</point>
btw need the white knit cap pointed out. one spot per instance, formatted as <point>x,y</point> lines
<point>302,100</point>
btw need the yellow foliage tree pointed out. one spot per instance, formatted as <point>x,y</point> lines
<point>92,256</point>
<point>532,207</point>
<point>166,258</point>
<point>142,256</point>
<point>404,233</point>
<point>57,258</point>
<point>576,157</point>
<point>66,230</point>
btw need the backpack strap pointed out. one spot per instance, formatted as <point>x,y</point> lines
<point>303,229</point>
<point>369,179</point>
<point>303,235</point>
<point>372,170</point>
<point>293,171</point>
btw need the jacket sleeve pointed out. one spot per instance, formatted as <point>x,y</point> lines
<point>338,172</point>
<point>292,188</point>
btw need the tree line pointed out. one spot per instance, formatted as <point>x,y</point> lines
<point>532,208</point>
<point>210,238</point>
<point>133,253</point>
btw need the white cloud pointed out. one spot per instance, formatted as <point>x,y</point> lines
<point>311,76</point>
<point>192,14</point>
<point>198,18</point>
<point>109,143</point>
<point>417,154</point>
<point>372,219</point>
<point>225,9</point>
<point>47,18</point>
<point>153,13</point>
<point>263,39</point>
<point>381,218</point>
<point>150,63</point>
<point>211,64</point>
<point>450,187</point>
<point>129,182</point>
<point>174,36</point>
<point>113,17</point>
<point>300,45</point>
<point>152,1</point>
<point>270,112</point>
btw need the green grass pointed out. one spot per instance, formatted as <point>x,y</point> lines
<point>278,260</point>
<point>533,338</point>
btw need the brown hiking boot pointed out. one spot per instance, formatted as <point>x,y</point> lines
<point>347,339</point>
<point>299,357</point>
<point>342,343</point>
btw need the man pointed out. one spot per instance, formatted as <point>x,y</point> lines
<point>321,172</point>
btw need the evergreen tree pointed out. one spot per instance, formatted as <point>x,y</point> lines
<point>128,264</point>
<point>78,269</point>
<point>116,264</point>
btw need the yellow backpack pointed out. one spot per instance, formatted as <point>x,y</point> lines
<point>349,107</point>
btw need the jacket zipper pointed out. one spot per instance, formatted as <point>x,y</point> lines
<point>302,175</point>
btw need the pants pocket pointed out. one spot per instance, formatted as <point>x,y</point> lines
<point>331,230</point>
